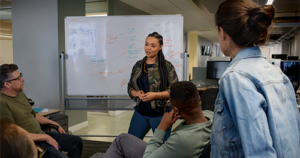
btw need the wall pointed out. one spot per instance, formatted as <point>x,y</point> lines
<point>192,51</point>
<point>276,49</point>
<point>70,8</point>
<point>289,47</point>
<point>35,46</point>
<point>116,7</point>
<point>285,47</point>
<point>297,45</point>
<point>38,39</point>
<point>195,51</point>
<point>267,51</point>
<point>6,52</point>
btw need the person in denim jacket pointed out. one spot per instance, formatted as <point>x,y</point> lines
<point>149,86</point>
<point>256,113</point>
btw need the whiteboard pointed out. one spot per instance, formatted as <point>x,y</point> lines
<point>103,50</point>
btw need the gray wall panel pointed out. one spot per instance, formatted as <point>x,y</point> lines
<point>38,38</point>
<point>116,7</point>
<point>35,49</point>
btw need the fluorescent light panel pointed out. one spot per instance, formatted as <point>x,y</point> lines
<point>270,2</point>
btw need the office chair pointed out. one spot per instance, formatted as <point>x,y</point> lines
<point>295,82</point>
<point>206,151</point>
<point>45,127</point>
<point>208,99</point>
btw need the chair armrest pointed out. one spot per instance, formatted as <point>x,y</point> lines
<point>206,151</point>
<point>47,126</point>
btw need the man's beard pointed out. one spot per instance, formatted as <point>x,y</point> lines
<point>22,88</point>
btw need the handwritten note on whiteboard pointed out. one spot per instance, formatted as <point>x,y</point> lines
<point>103,50</point>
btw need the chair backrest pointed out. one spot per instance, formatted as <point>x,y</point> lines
<point>206,151</point>
<point>295,82</point>
<point>208,98</point>
<point>31,102</point>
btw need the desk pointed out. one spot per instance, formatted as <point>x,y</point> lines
<point>50,111</point>
<point>202,89</point>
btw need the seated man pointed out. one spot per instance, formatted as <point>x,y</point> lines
<point>15,141</point>
<point>14,105</point>
<point>189,141</point>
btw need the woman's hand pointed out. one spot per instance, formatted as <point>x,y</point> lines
<point>140,93</point>
<point>135,93</point>
<point>148,96</point>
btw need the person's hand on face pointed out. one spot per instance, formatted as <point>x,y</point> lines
<point>168,119</point>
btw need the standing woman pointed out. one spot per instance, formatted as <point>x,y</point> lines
<point>256,113</point>
<point>149,87</point>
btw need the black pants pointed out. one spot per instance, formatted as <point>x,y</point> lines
<point>69,143</point>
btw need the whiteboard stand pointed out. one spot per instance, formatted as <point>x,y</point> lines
<point>185,66</point>
<point>64,56</point>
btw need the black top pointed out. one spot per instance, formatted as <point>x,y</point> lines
<point>144,108</point>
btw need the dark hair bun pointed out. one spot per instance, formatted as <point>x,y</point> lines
<point>245,22</point>
<point>261,18</point>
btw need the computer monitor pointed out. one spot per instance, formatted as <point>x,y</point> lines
<point>292,58</point>
<point>215,69</point>
<point>292,70</point>
<point>274,61</point>
<point>279,56</point>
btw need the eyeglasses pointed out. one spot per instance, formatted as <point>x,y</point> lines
<point>18,78</point>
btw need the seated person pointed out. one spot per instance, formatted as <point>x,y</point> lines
<point>189,141</point>
<point>14,105</point>
<point>15,141</point>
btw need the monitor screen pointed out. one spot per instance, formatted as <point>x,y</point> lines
<point>290,68</point>
<point>215,69</point>
<point>279,56</point>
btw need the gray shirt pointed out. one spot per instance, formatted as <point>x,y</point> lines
<point>188,142</point>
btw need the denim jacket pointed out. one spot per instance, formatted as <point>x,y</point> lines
<point>256,113</point>
<point>154,80</point>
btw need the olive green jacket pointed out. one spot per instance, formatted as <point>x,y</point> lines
<point>154,80</point>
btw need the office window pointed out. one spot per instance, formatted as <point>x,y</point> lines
<point>96,8</point>
<point>6,49</point>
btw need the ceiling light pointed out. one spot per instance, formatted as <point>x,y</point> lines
<point>6,36</point>
<point>270,2</point>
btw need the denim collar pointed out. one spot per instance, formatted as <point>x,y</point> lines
<point>249,52</point>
